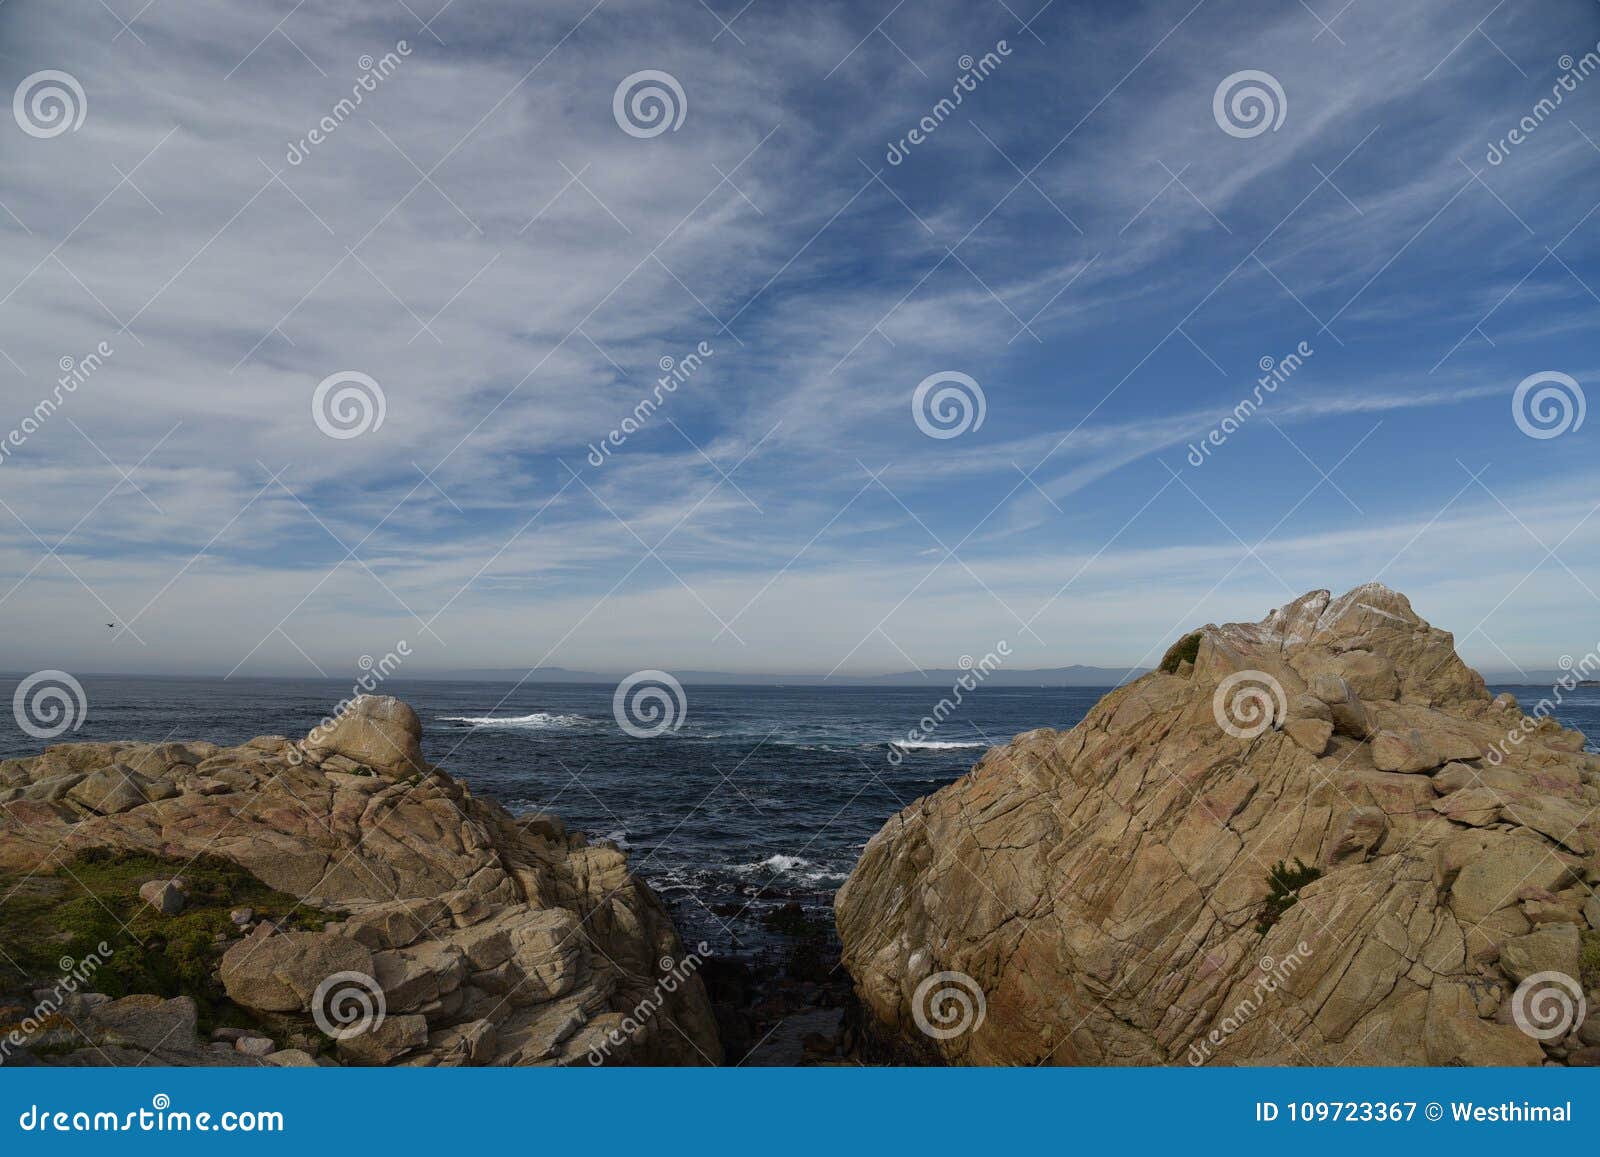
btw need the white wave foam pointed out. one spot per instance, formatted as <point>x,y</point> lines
<point>781,863</point>
<point>797,867</point>
<point>538,720</point>
<point>933,744</point>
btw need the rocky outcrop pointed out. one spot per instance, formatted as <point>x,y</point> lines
<point>461,935</point>
<point>1311,840</point>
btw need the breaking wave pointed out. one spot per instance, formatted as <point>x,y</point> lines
<point>539,720</point>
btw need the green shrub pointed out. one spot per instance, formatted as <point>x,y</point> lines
<point>1185,649</point>
<point>1283,891</point>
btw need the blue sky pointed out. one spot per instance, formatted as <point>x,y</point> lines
<point>1081,237</point>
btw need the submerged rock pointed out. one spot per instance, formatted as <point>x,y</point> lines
<point>1310,840</point>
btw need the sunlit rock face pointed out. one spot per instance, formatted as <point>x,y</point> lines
<point>1315,839</point>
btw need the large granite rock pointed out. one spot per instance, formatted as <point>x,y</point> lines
<point>378,731</point>
<point>465,936</point>
<point>1105,895</point>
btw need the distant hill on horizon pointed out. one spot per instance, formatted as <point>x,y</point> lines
<point>1076,675</point>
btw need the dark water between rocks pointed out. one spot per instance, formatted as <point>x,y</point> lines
<point>763,797</point>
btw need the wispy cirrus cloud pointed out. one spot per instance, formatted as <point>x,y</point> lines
<point>482,238</point>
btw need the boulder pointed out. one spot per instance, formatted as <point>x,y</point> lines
<point>1404,751</point>
<point>281,973</point>
<point>1491,878</point>
<point>1149,888</point>
<point>377,731</point>
<point>1361,830</point>
<point>1550,949</point>
<point>111,790</point>
<point>1311,734</point>
<point>1476,807</point>
<point>388,1039</point>
<point>144,1022</point>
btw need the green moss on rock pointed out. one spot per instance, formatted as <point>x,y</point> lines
<point>1589,960</point>
<point>94,900</point>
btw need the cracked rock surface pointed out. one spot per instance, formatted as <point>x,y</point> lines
<point>494,940</point>
<point>1106,887</point>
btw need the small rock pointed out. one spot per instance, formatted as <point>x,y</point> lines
<point>242,916</point>
<point>1585,1057</point>
<point>1307,706</point>
<point>1550,912</point>
<point>1553,948</point>
<point>1362,829</point>
<point>1330,688</point>
<point>1311,734</point>
<point>291,1059</point>
<point>165,896</point>
<point>229,1033</point>
<point>255,1046</point>
<point>387,1040</point>
<point>1406,751</point>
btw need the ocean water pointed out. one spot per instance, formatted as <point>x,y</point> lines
<point>764,796</point>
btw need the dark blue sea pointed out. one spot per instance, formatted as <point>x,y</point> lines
<point>763,796</point>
